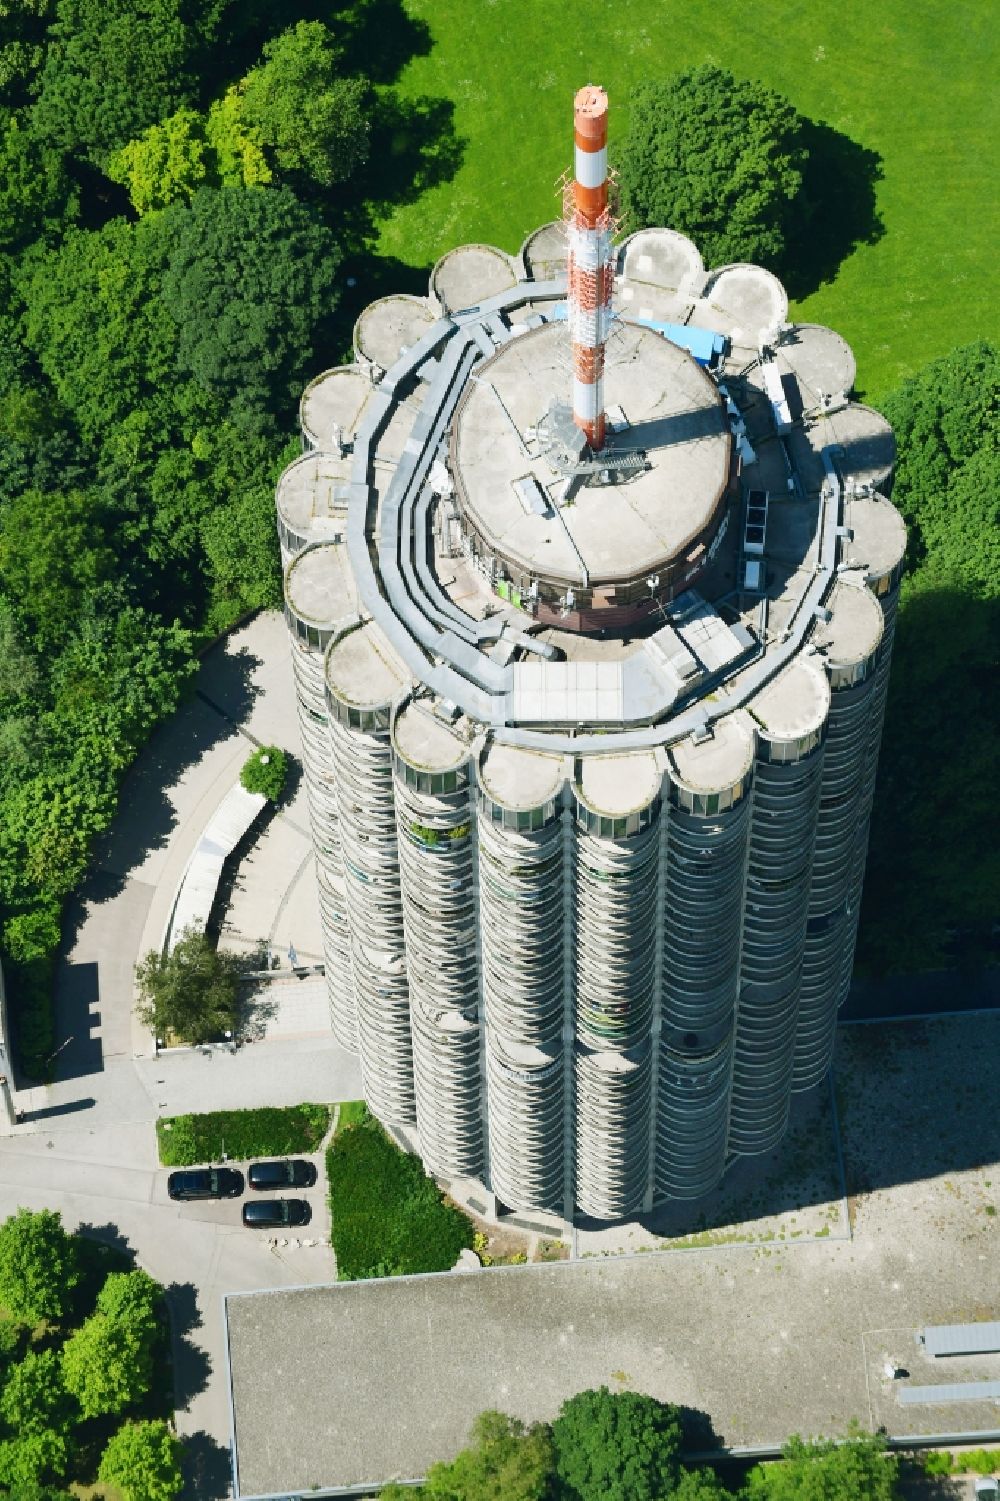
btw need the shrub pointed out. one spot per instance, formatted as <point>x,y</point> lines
<point>265,772</point>
<point>389,1218</point>
<point>30,991</point>
<point>268,1132</point>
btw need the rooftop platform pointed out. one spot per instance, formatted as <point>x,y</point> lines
<point>607,532</point>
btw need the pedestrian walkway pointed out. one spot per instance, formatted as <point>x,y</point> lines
<point>290,1007</point>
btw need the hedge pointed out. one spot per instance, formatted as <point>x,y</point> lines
<point>389,1218</point>
<point>269,1132</point>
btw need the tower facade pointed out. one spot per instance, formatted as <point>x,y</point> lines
<point>591,685</point>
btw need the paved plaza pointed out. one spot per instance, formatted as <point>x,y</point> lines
<point>762,1335</point>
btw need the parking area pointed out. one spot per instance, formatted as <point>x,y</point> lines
<point>228,1210</point>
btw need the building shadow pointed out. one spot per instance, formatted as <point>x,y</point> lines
<point>77,1047</point>
<point>69,1107</point>
<point>839,208</point>
<point>931,870</point>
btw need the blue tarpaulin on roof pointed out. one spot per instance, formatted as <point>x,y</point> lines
<point>706,347</point>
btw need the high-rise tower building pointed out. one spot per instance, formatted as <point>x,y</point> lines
<point>591,606</point>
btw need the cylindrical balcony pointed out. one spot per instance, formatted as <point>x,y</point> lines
<point>332,407</point>
<point>319,596</point>
<point>705,860</point>
<point>524,915</point>
<point>363,680</point>
<point>849,641</point>
<point>434,825</point>
<point>790,713</point>
<point>311,502</point>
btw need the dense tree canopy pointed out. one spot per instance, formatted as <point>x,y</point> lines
<point>250,274</point>
<point>616,1446</point>
<point>507,1461</point>
<point>716,157</point>
<point>107,1364</point>
<point>36,194</point>
<point>111,68</point>
<point>309,120</point>
<point>627,1445</point>
<point>96,1363</point>
<point>33,1398</point>
<point>24,26</point>
<point>827,1471</point>
<point>149,359</point>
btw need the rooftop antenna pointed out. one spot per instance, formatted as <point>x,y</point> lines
<point>589,229</point>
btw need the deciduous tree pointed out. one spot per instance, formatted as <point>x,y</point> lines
<point>716,157</point>
<point>166,162</point>
<point>143,1461</point>
<point>506,1461</point>
<point>111,69</point>
<point>107,1363</point>
<point>39,1266</point>
<point>34,1400</point>
<point>251,272</point>
<point>827,1471</point>
<point>616,1446</point>
<point>30,1462</point>
<point>310,120</point>
<point>191,992</point>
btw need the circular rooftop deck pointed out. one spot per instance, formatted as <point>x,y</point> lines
<point>389,326</point>
<point>306,495</point>
<point>663,258</point>
<point>334,400</point>
<point>544,252</point>
<point>470,274</point>
<point>608,533</point>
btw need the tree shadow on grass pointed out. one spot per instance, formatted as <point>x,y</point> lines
<point>840,211</point>
<point>378,37</point>
<point>414,147</point>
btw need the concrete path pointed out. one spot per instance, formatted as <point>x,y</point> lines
<point>87,1143</point>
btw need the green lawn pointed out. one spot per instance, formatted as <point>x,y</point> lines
<point>914,83</point>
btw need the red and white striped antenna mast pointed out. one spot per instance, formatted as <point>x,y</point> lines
<point>590,230</point>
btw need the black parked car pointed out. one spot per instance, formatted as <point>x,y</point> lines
<point>269,1214</point>
<point>205,1183</point>
<point>288,1173</point>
